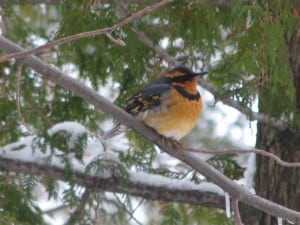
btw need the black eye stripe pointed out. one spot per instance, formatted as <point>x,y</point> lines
<point>182,79</point>
<point>186,94</point>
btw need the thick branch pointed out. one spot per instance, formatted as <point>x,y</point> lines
<point>117,184</point>
<point>191,159</point>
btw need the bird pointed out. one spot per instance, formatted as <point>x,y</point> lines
<point>170,105</point>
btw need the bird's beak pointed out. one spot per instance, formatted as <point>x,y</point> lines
<point>200,74</point>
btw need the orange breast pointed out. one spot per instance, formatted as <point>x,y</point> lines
<point>175,117</point>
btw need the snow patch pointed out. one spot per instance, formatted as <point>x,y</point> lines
<point>160,181</point>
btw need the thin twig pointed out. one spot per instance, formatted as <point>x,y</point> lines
<point>261,117</point>
<point>98,196</point>
<point>127,210</point>
<point>160,51</point>
<point>77,214</point>
<point>115,41</point>
<point>48,2</point>
<point>236,212</point>
<point>21,118</point>
<point>138,205</point>
<point>74,37</point>
<point>56,209</point>
<point>246,151</point>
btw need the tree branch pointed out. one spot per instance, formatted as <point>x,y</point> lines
<point>236,211</point>
<point>115,183</point>
<point>52,2</point>
<point>246,151</point>
<point>32,2</point>
<point>191,159</point>
<point>78,212</point>
<point>74,37</point>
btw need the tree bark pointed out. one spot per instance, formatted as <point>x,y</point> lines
<point>274,182</point>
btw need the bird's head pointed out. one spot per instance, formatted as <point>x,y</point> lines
<point>184,77</point>
<point>182,74</point>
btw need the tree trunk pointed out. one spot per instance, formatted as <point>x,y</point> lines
<point>275,182</point>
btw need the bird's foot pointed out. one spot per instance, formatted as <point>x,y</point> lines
<point>172,142</point>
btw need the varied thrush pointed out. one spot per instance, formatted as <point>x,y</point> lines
<point>171,104</point>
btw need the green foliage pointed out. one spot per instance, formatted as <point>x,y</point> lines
<point>104,167</point>
<point>52,187</point>
<point>236,42</point>
<point>170,215</point>
<point>141,154</point>
<point>69,143</point>
<point>15,206</point>
<point>207,216</point>
<point>227,165</point>
<point>184,214</point>
<point>27,183</point>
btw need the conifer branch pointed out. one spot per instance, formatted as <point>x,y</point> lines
<point>191,159</point>
<point>108,30</point>
<point>115,183</point>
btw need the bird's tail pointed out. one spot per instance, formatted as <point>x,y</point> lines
<point>113,132</point>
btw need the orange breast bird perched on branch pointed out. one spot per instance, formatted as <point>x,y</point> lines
<point>171,104</point>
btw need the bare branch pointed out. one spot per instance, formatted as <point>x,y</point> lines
<point>47,2</point>
<point>78,212</point>
<point>74,37</point>
<point>127,210</point>
<point>55,209</point>
<point>246,151</point>
<point>115,41</point>
<point>161,52</point>
<point>52,2</point>
<point>236,211</point>
<point>21,118</point>
<point>191,159</point>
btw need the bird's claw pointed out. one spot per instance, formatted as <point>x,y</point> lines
<point>172,142</point>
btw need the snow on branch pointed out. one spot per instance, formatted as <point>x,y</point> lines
<point>27,157</point>
<point>191,159</point>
